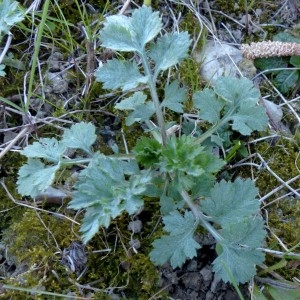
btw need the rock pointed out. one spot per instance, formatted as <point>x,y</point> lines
<point>218,59</point>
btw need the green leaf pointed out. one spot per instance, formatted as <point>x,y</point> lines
<point>179,244</point>
<point>2,72</point>
<point>46,148</point>
<point>287,80</point>
<point>145,26</point>
<point>169,50</point>
<point>167,204</point>
<point>120,74</point>
<point>277,293</point>
<point>231,201</point>
<point>208,103</point>
<point>249,118</point>
<point>10,14</point>
<point>105,192</point>
<point>130,103</point>
<point>34,177</point>
<point>131,33</point>
<point>12,104</point>
<point>235,100</point>
<point>116,34</point>
<point>240,254</point>
<point>80,136</point>
<point>141,111</point>
<point>237,90</point>
<point>295,61</point>
<point>286,37</point>
<point>147,151</point>
<point>174,96</point>
<point>269,63</point>
<point>183,155</point>
<point>202,185</point>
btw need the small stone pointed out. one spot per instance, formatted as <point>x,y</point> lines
<point>219,59</point>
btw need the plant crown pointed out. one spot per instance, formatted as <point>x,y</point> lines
<point>179,171</point>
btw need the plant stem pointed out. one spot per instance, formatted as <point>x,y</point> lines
<point>215,127</point>
<point>200,217</point>
<point>154,96</point>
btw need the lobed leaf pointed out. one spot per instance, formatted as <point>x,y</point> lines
<point>169,50</point>
<point>120,74</point>
<point>10,14</point>
<point>141,111</point>
<point>105,192</point>
<point>147,152</point>
<point>209,104</point>
<point>174,96</point>
<point>131,33</point>
<point>180,244</point>
<point>237,100</point>
<point>116,34</point>
<point>183,155</point>
<point>240,250</point>
<point>249,118</point>
<point>145,26</point>
<point>231,201</point>
<point>34,177</point>
<point>237,90</point>
<point>80,136</point>
<point>47,148</point>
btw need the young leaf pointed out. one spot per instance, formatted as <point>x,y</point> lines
<point>179,245</point>
<point>46,148</point>
<point>141,111</point>
<point>174,96</point>
<point>120,74</point>
<point>182,155</point>
<point>240,253</point>
<point>170,49</point>
<point>35,177</point>
<point>147,151</point>
<point>231,201</point>
<point>210,106</point>
<point>105,192</point>
<point>80,136</point>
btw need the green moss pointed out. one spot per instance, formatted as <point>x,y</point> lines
<point>33,241</point>
<point>282,159</point>
<point>10,211</point>
<point>283,214</point>
<point>226,6</point>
